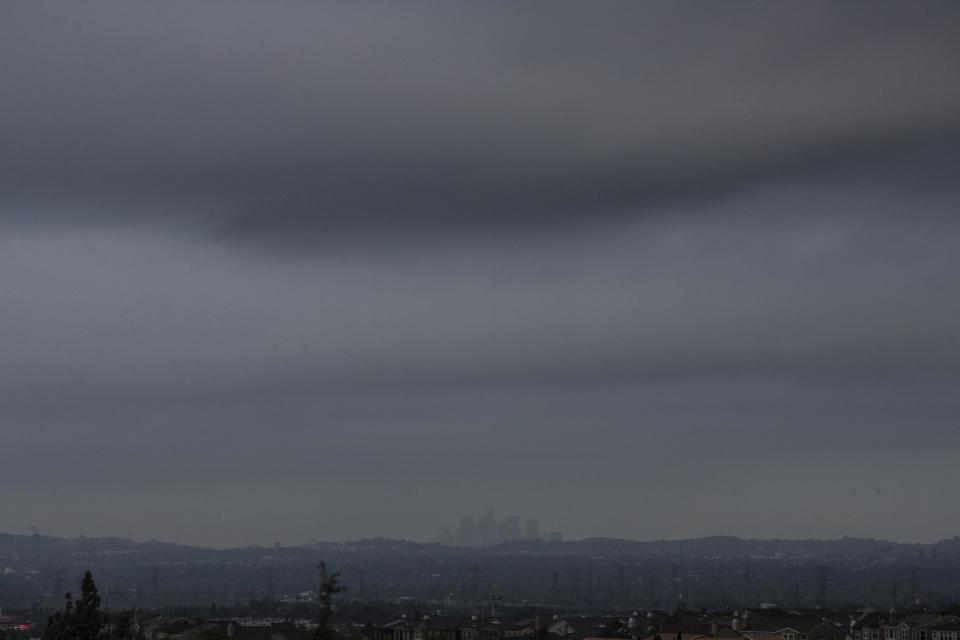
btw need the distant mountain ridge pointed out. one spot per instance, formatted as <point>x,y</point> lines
<point>707,545</point>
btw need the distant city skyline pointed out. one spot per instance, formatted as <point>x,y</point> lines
<point>486,531</point>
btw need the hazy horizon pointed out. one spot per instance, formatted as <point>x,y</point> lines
<point>307,543</point>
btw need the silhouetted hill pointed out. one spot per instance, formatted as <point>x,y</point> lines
<point>711,571</point>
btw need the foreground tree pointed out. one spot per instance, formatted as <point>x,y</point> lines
<point>80,620</point>
<point>329,586</point>
<point>87,610</point>
<point>57,623</point>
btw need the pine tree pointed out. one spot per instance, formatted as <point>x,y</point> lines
<point>78,621</point>
<point>87,612</point>
<point>58,623</point>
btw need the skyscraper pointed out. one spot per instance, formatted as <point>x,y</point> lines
<point>487,528</point>
<point>467,532</point>
<point>511,528</point>
<point>533,529</point>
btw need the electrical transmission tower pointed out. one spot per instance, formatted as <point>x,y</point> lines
<point>823,580</point>
<point>575,595</point>
<point>622,586</point>
<point>747,581</point>
<point>677,583</point>
<point>914,593</point>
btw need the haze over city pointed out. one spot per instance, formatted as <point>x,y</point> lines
<point>329,271</point>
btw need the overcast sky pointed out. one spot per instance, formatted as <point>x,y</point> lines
<point>282,271</point>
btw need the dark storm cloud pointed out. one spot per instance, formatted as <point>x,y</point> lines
<point>308,122</point>
<point>398,260</point>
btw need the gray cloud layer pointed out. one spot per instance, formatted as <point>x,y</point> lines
<point>404,262</point>
<point>274,123</point>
